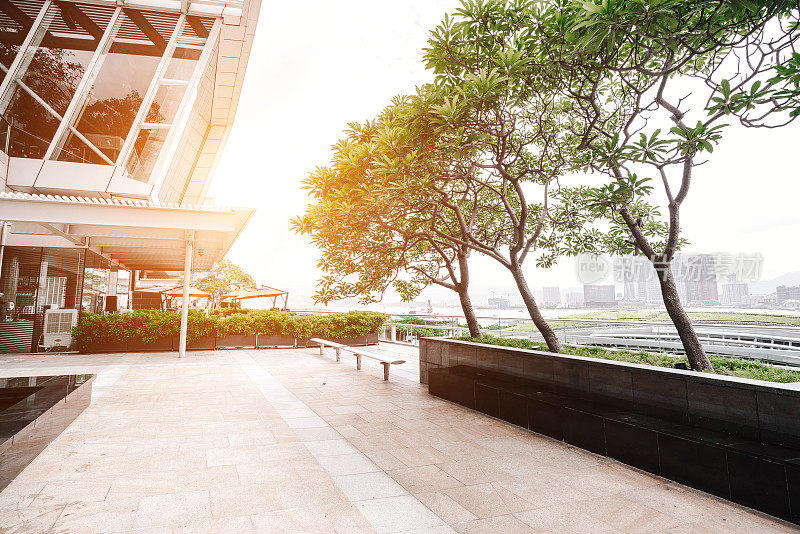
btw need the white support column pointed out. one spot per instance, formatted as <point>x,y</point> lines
<point>187,275</point>
<point>4,228</point>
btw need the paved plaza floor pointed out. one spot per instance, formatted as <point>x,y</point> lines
<point>290,441</point>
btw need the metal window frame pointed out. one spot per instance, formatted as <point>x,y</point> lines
<point>150,94</point>
<point>81,93</point>
<point>178,127</point>
<point>36,33</point>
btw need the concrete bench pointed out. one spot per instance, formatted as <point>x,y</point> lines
<point>358,353</point>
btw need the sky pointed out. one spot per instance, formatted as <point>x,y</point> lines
<point>317,65</point>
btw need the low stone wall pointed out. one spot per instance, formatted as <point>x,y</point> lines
<point>735,438</point>
<point>764,411</point>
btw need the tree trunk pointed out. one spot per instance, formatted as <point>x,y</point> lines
<point>462,289</point>
<point>695,353</point>
<point>550,337</point>
<point>469,313</point>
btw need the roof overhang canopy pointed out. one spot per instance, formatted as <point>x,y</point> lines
<point>130,234</point>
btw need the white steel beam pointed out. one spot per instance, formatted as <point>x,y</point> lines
<point>35,35</point>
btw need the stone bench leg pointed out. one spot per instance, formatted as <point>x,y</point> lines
<point>321,350</point>
<point>385,370</point>
<point>337,354</point>
<point>358,362</point>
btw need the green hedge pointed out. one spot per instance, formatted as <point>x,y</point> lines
<point>148,326</point>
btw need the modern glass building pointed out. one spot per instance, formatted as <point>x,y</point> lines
<point>113,115</point>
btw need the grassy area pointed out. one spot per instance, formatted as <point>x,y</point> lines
<point>659,315</point>
<point>722,365</point>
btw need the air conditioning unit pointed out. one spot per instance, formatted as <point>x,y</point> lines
<point>58,328</point>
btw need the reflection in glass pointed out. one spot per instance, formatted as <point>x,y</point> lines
<point>120,85</point>
<point>166,103</point>
<point>52,69</point>
<point>145,153</point>
<point>180,67</point>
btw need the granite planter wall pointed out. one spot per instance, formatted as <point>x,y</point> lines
<point>735,438</point>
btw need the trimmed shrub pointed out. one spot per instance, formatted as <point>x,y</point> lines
<point>96,332</point>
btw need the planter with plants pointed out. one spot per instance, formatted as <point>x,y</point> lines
<point>153,330</point>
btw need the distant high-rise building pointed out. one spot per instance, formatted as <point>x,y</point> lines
<point>784,293</point>
<point>599,296</point>
<point>734,293</point>
<point>638,278</point>
<point>574,299</point>
<point>551,296</point>
<point>696,278</point>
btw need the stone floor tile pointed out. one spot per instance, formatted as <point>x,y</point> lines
<point>330,447</point>
<point>487,500</point>
<point>424,479</point>
<point>347,464</point>
<point>174,509</point>
<point>368,486</point>
<point>398,514</point>
<point>493,525</point>
<point>445,507</point>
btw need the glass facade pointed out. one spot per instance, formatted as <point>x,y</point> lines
<point>34,280</point>
<point>81,87</point>
<point>51,69</point>
<point>121,82</point>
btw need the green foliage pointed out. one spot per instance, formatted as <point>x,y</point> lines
<point>236,324</point>
<point>223,278</point>
<point>94,331</point>
<point>722,365</point>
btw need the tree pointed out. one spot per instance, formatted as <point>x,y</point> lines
<point>493,148</point>
<point>652,81</point>
<point>372,239</point>
<point>223,278</point>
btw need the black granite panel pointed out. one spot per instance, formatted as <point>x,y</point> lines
<point>611,385</point>
<point>584,430</point>
<point>462,354</point>
<point>444,353</point>
<point>545,418</point>
<point>44,407</point>
<point>697,464</point>
<point>660,396</point>
<point>487,399</point>
<point>514,408</point>
<point>511,362</point>
<point>632,445</point>
<point>728,409</point>
<point>571,377</point>
<point>759,484</point>
<point>793,483</point>
<point>779,418</point>
<point>450,385</point>
<point>540,370</point>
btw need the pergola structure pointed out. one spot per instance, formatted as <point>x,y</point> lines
<point>261,292</point>
<point>132,235</point>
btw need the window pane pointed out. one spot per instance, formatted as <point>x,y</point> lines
<point>52,69</point>
<point>120,85</point>
<point>145,153</point>
<point>180,67</point>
